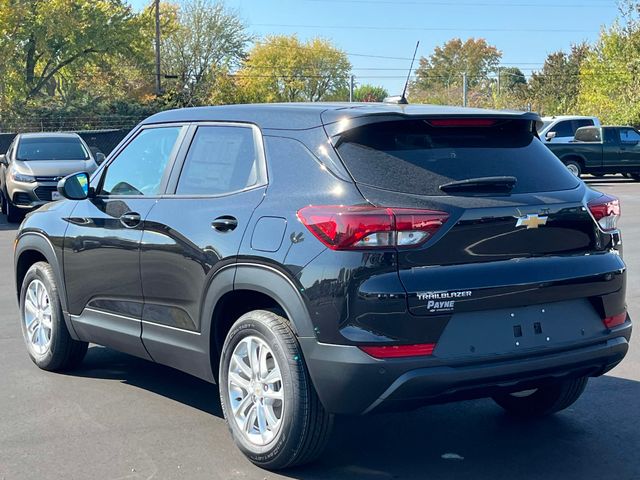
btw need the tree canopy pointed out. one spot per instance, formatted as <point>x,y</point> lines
<point>89,63</point>
<point>207,40</point>
<point>369,93</point>
<point>284,69</point>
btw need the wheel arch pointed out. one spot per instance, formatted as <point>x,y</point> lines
<point>33,247</point>
<point>574,157</point>
<point>244,288</point>
<point>280,287</point>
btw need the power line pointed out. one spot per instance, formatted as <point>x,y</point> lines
<point>465,4</point>
<point>422,29</point>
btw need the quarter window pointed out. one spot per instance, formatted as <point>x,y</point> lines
<point>140,167</point>
<point>628,135</point>
<point>221,159</point>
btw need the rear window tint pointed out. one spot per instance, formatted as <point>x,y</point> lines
<point>411,156</point>
<point>51,148</point>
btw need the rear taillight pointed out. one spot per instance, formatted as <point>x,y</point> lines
<point>399,351</point>
<point>615,320</point>
<point>342,227</point>
<point>606,210</point>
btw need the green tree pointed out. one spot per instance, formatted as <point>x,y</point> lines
<point>610,73</point>
<point>209,39</point>
<point>554,90</point>
<point>54,34</point>
<point>284,69</point>
<point>447,63</point>
<point>439,78</point>
<point>369,93</point>
<point>512,79</point>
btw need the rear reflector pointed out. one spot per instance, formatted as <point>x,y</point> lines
<point>606,210</point>
<point>400,351</point>
<point>462,122</point>
<point>342,227</point>
<point>615,320</point>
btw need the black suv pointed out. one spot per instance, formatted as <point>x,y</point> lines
<point>322,259</point>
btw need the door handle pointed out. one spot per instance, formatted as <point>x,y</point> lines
<point>225,223</point>
<point>130,219</point>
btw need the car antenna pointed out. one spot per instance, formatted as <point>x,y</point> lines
<point>402,99</point>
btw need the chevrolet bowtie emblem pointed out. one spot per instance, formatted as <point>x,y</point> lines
<point>531,221</point>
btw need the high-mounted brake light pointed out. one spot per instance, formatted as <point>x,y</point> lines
<point>462,122</point>
<point>615,320</point>
<point>606,210</point>
<point>399,351</point>
<point>342,227</point>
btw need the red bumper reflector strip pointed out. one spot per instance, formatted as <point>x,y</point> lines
<point>462,122</point>
<point>399,351</point>
<point>615,320</point>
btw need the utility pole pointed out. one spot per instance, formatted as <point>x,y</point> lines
<point>158,84</point>
<point>498,81</point>
<point>464,89</point>
<point>352,82</point>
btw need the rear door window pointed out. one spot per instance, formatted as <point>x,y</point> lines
<point>221,159</point>
<point>583,122</point>
<point>412,156</point>
<point>628,135</point>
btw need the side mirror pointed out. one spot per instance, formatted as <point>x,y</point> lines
<point>75,186</point>
<point>100,158</point>
<point>550,136</point>
<point>3,160</point>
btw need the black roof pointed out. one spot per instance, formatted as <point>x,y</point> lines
<point>301,116</point>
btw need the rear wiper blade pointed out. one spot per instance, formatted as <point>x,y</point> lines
<point>481,184</point>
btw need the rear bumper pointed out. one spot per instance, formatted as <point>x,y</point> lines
<point>348,381</point>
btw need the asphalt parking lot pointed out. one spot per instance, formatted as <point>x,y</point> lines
<point>119,417</point>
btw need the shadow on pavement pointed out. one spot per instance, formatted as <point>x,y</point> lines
<point>598,437</point>
<point>5,225</point>
<point>108,364</point>
<point>609,181</point>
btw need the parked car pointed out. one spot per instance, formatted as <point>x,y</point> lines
<point>322,259</point>
<point>601,150</point>
<point>562,129</point>
<point>32,167</point>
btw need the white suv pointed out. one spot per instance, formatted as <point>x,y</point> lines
<point>561,129</point>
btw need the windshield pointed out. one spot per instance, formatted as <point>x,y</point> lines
<point>545,124</point>
<point>413,156</point>
<point>51,148</point>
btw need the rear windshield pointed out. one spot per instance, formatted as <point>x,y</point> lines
<point>412,156</point>
<point>51,148</point>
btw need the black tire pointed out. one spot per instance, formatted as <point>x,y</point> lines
<point>574,167</point>
<point>3,205</point>
<point>305,425</point>
<point>14,215</point>
<point>636,176</point>
<point>63,352</point>
<point>545,400</point>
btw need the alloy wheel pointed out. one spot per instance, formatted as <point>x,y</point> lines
<point>37,317</point>
<point>573,169</point>
<point>256,393</point>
